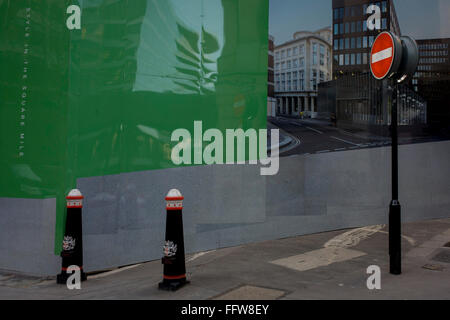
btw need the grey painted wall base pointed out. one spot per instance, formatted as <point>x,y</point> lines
<point>27,231</point>
<point>124,215</point>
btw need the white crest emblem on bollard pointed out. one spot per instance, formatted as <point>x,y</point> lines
<point>170,249</point>
<point>68,243</point>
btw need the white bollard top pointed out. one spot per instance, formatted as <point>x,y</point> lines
<point>174,193</point>
<point>74,193</point>
<point>174,200</point>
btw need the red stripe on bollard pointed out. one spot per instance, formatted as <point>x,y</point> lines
<point>174,198</point>
<point>65,269</point>
<point>174,277</point>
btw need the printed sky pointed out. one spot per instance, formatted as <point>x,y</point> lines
<point>418,18</point>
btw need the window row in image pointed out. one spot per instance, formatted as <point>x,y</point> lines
<point>350,59</point>
<point>295,81</point>
<point>353,43</point>
<point>354,27</point>
<point>356,11</point>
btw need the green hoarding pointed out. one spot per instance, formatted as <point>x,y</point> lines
<point>104,98</point>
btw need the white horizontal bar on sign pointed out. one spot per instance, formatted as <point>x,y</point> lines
<point>382,55</point>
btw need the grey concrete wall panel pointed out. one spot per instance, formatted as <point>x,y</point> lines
<point>124,215</point>
<point>231,205</point>
<point>27,229</point>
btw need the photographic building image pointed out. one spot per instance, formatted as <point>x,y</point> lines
<point>432,80</point>
<point>354,97</point>
<point>352,39</point>
<point>300,65</point>
<point>271,101</point>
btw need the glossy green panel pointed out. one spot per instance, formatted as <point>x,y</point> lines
<point>34,63</point>
<point>105,99</point>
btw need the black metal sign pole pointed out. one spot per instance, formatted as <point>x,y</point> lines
<point>404,59</point>
<point>395,208</point>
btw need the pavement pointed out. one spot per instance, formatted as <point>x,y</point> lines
<point>331,265</point>
<point>319,136</point>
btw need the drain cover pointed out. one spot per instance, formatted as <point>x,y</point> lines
<point>442,256</point>
<point>251,293</point>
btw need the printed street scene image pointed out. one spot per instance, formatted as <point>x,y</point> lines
<point>224,158</point>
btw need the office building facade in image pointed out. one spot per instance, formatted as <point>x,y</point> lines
<point>432,80</point>
<point>352,38</point>
<point>271,101</point>
<point>300,65</point>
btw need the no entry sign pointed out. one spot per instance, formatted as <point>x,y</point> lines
<point>384,58</point>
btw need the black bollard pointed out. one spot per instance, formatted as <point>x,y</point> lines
<point>174,261</point>
<point>72,251</point>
